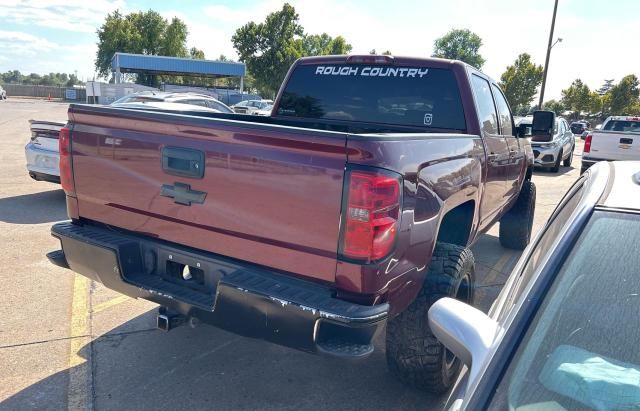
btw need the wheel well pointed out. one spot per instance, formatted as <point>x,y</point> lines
<point>529,174</point>
<point>455,226</point>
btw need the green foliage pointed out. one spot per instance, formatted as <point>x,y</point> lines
<point>555,106</point>
<point>269,48</point>
<point>140,33</point>
<point>520,82</point>
<point>623,97</point>
<point>577,97</point>
<point>595,102</point>
<point>196,54</point>
<point>51,79</point>
<point>323,45</point>
<point>460,45</point>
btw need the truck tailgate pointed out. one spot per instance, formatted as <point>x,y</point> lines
<point>270,195</point>
<point>615,145</point>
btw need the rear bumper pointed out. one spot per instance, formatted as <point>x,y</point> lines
<point>42,163</point>
<point>231,295</point>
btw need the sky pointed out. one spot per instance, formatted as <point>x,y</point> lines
<point>599,37</point>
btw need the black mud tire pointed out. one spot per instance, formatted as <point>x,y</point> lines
<point>414,355</point>
<point>567,162</point>
<point>516,224</point>
<point>556,166</point>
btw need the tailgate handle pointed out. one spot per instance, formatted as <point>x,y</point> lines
<point>183,162</point>
<point>626,141</point>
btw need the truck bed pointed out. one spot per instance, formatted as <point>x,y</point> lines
<point>272,193</point>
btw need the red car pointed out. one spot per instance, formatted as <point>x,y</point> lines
<point>351,207</point>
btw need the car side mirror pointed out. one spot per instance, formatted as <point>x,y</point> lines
<point>543,125</point>
<point>464,330</point>
<point>523,131</point>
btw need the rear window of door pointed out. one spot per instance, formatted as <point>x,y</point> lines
<point>386,94</point>
<point>486,108</point>
<point>504,114</point>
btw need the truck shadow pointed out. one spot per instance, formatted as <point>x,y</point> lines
<point>134,366</point>
<point>36,208</point>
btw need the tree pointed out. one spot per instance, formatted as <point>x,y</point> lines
<point>460,45</point>
<point>174,40</point>
<point>140,33</point>
<point>520,82</point>
<point>51,79</point>
<point>323,45</point>
<point>608,84</point>
<point>577,97</point>
<point>624,95</point>
<point>269,48</point>
<point>554,106</point>
<point>595,102</point>
<point>196,54</point>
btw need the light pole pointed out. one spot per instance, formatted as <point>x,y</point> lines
<point>546,63</point>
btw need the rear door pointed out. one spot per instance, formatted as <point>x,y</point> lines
<point>517,156</point>
<point>619,139</point>
<point>263,194</point>
<point>498,158</point>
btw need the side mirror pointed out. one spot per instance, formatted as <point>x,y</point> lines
<point>543,125</point>
<point>464,330</point>
<point>523,131</point>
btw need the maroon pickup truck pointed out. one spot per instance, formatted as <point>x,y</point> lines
<point>350,208</point>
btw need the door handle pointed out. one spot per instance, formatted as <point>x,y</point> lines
<point>492,156</point>
<point>183,162</point>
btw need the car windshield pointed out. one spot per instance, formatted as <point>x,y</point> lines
<point>411,96</point>
<point>581,350</point>
<point>626,126</point>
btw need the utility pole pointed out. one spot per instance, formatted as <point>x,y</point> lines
<point>546,63</point>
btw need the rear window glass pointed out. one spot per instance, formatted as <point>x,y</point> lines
<point>623,125</point>
<point>412,96</point>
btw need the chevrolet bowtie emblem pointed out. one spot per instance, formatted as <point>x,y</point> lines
<point>182,194</point>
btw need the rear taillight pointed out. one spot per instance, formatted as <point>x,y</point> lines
<point>66,169</point>
<point>587,143</point>
<point>370,215</point>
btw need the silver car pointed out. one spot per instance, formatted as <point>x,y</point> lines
<point>559,150</point>
<point>42,152</point>
<point>563,333</point>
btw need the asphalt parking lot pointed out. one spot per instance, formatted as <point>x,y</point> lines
<point>67,342</point>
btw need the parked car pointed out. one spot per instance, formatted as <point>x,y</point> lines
<point>169,106</point>
<point>551,151</point>
<point>3,93</point>
<point>563,333</point>
<point>618,139</point>
<point>251,106</point>
<point>265,111</point>
<point>201,100</point>
<point>42,150</point>
<point>351,207</point>
<point>578,127</point>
